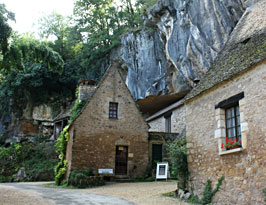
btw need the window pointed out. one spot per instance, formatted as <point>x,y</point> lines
<point>231,126</point>
<point>168,122</point>
<point>232,117</point>
<point>113,107</point>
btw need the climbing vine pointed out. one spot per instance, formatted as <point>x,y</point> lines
<point>61,144</point>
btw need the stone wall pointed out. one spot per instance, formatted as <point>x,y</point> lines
<point>178,123</point>
<point>94,136</point>
<point>244,171</point>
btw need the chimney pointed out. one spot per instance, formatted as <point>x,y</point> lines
<point>86,89</point>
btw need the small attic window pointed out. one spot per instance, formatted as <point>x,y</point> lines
<point>245,41</point>
<point>113,107</point>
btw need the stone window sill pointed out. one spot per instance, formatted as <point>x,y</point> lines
<point>231,151</point>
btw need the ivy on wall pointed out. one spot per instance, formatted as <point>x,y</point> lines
<point>61,144</point>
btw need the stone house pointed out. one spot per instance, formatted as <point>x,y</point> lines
<point>110,133</point>
<point>229,104</point>
<point>170,119</point>
<point>166,125</point>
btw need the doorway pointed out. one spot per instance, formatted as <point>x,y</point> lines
<point>121,160</point>
<point>156,154</point>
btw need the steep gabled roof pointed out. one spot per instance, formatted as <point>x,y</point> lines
<point>245,47</point>
<point>114,65</point>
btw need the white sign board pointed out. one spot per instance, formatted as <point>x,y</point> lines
<point>162,170</point>
<point>105,171</point>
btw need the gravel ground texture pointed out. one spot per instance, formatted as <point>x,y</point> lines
<point>10,195</point>
<point>139,193</point>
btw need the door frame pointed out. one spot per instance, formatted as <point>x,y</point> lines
<point>116,149</point>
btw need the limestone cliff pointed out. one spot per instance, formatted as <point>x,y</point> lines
<point>178,44</point>
<point>163,60</point>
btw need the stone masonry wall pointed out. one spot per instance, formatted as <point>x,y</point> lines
<point>244,171</point>
<point>178,123</point>
<point>95,136</point>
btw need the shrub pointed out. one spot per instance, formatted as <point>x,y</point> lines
<point>208,193</point>
<point>83,179</point>
<point>78,179</point>
<point>178,160</point>
<point>37,158</point>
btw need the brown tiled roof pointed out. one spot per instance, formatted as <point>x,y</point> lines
<point>245,47</point>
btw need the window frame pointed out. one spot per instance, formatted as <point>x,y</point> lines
<point>168,122</point>
<point>113,110</point>
<point>235,128</point>
<point>221,131</point>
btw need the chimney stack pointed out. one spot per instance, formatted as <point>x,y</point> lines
<point>86,89</point>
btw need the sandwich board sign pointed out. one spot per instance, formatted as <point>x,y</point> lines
<point>162,170</point>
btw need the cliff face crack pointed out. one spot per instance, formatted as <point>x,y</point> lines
<point>187,37</point>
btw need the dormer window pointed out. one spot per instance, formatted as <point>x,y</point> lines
<point>113,108</point>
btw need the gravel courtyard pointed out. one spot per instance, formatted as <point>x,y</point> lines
<point>148,193</point>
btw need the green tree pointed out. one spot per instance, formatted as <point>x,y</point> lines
<point>30,72</point>
<point>23,49</point>
<point>62,37</point>
<point>101,23</point>
<point>5,29</point>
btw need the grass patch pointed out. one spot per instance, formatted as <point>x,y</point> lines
<point>169,194</point>
<point>150,179</point>
<point>63,186</point>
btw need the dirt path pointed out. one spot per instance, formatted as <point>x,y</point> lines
<point>36,194</point>
<point>143,193</point>
<point>148,193</point>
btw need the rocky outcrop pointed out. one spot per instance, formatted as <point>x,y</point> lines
<point>180,42</point>
<point>162,61</point>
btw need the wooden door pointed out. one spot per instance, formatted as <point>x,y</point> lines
<point>121,160</point>
<point>156,154</point>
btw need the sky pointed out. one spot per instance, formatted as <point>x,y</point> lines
<point>27,12</point>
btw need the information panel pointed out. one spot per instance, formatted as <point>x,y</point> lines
<point>162,170</point>
<point>105,171</point>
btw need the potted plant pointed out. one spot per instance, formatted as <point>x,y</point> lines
<point>231,143</point>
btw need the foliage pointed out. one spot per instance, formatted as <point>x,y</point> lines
<point>5,29</point>
<point>66,39</point>
<point>25,50</point>
<point>145,4</point>
<point>231,144</point>
<point>194,199</point>
<point>80,179</point>
<point>169,194</point>
<point>76,109</point>
<point>2,139</point>
<point>34,85</point>
<point>208,193</point>
<point>101,23</point>
<point>38,159</point>
<point>178,160</point>
<point>264,192</point>
<point>61,144</point>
